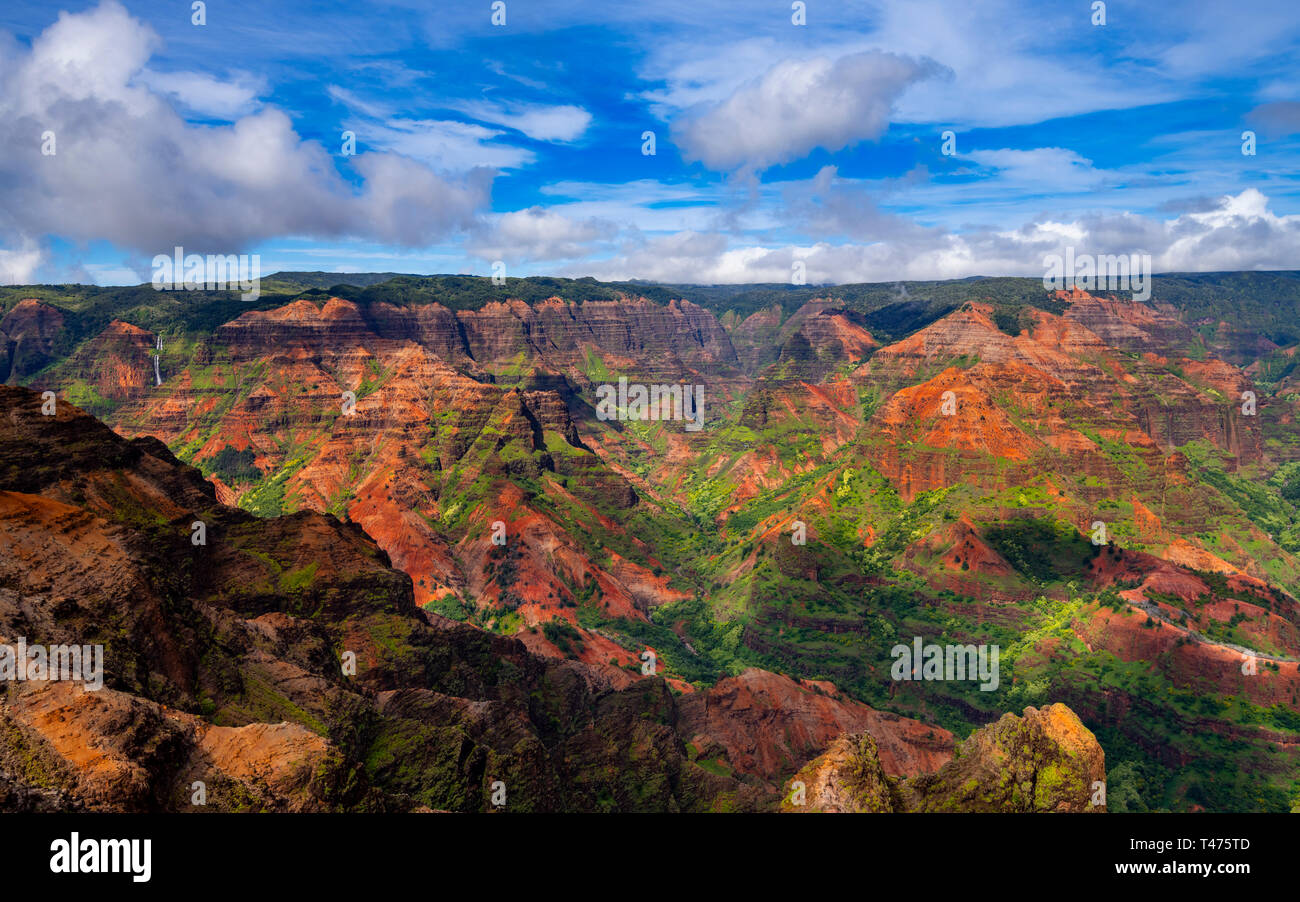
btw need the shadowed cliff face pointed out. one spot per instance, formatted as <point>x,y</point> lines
<point>28,335</point>
<point>1083,481</point>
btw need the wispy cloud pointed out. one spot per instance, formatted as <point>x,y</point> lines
<point>207,95</point>
<point>537,121</point>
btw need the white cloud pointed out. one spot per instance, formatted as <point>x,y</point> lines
<point>113,274</point>
<point>1013,63</point>
<point>407,203</point>
<point>830,206</point>
<point>18,267</point>
<point>539,234</point>
<point>799,105</point>
<point>1205,38</point>
<point>205,94</point>
<point>358,104</point>
<point>444,144</point>
<point>643,204</point>
<point>129,169</point>
<point>692,78</point>
<point>1054,168</point>
<point>447,145</point>
<point>539,122</point>
<point>1238,233</point>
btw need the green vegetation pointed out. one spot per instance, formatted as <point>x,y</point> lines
<point>233,467</point>
<point>1045,552</point>
<point>883,562</point>
<point>1272,504</point>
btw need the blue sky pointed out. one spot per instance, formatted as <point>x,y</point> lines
<point>775,143</point>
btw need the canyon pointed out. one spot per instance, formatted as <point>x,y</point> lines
<point>947,464</point>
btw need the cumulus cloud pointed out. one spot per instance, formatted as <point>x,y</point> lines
<point>686,256</point>
<point>407,204</point>
<point>540,234</point>
<point>831,206</point>
<point>1238,233</point>
<point>129,169</point>
<point>799,105</point>
<point>1043,64</point>
<point>17,267</point>
<point>1242,233</point>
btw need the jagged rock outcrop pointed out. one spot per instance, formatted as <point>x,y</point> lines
<point>761,723</point>
<point>117,364</point>
<point>847,779</point>
<point>1045,760</point>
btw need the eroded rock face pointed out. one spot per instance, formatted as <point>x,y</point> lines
<point>1127,324</point>
<point>663,340</point>
<point>28,336</point>
<point>756,338</point>
<point>847,779</point>
<point>820,337</point>
<point>469,419</point>
<point>1050,378</point>
<point>222,666</point>
<point>108,750</point>
<point>1046,760</point>
<point>764,724</point>
<point>222,660</point>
